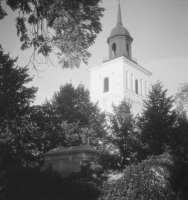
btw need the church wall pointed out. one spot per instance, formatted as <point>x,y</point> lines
<point>123,76</point>
<point>114,71</point>
<point>131,76</point>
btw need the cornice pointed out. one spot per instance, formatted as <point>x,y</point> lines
<point>106,63</point>
<point>138,67</point>
<point>122,58</point>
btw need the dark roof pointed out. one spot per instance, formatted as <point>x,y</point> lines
<point>119,30</point>
<point>62,150</point>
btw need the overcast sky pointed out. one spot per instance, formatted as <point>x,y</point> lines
<point>160,32</point>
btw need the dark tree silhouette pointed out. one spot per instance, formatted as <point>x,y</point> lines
<point>15,99</point>
<point>157,121</point>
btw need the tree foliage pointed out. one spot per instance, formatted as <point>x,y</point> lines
<point>74,104</point>
<point>69,119</point>
<point>68,28</point>
<point>123,142</point>
<point>158,177</point>
<point>180,138</point>
<point>181,99</point>
<point>161,132</point>
<point>157,121</point>
<point>15,99</point>
<point>15,96</point>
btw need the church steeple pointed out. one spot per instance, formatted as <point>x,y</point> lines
<point>119,20</point>
<point>119,40</point>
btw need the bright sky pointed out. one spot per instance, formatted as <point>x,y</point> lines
<point>160,32</point>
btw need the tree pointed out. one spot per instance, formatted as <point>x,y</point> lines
<point>68,28</point>
<point>70,118</point>
<point>73,104</point>
<point>157,121</point>
<point>123,138</point>
<point>180,138</point>
<point>181,99</point>
<point>158,177</point>
<point>15,99</point>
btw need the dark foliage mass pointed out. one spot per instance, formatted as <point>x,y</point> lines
<point>68,28</point>
<point>158,177</point>
<point>15,126</point>
<point>15,96</point>
<point>29,183</point>
<point>158,121</point>
<point>28,131</point>
<point>123,141</point>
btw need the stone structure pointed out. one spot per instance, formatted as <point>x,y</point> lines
<point>120,75</point>
<point>67,160</point>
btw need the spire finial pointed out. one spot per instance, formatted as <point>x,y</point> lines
<point>119,20</point>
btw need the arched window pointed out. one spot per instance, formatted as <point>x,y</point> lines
<point>136,86</point>
<point>113,50</point>
<point>106,84</point>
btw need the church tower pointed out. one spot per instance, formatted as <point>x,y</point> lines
<point>119,76</point>
<point>119,40</point>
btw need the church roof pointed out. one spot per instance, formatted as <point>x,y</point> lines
<point>119,29</point>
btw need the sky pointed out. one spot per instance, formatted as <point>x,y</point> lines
<point>160,32</point>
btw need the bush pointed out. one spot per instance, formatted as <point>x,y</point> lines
<point>159,177</point>
<point>31,184</point>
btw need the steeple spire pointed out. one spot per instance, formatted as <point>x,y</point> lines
<point>120,39</point>
<point>119,20</point>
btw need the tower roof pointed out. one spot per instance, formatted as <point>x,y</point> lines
<point>119,29</point>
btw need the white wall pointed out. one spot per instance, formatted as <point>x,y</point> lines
<point>120,72</point>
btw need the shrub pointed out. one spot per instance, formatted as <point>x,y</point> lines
<point>157,177</point>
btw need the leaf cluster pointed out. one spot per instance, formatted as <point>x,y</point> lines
<point>68,27</point>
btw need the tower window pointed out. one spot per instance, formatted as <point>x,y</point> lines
<point>113,50</point>
<point>127,50</point>
<point>133,83</point>
<point>106,84</point>
<point>142,87</point>
<point>136,86</point>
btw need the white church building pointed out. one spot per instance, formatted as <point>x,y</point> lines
<point>119,76</point>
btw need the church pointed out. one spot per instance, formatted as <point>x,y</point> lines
<point>119,76</point>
